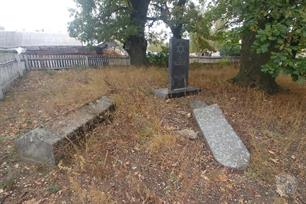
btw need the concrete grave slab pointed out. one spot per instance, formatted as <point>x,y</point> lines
<point>37,145</point>
<point>46,145</point>
<point>225,144</point>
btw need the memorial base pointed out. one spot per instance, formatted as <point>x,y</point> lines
<point>176,93</point>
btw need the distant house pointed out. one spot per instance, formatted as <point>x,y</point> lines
<point>12,39</point>
<point>62,50</point>
<point>110,49</point>
<point>42,43</point>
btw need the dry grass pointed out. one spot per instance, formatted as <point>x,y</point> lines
<point>272,126</point>
<point>161,141</point>
<point>92,195</point>
<point>138,157</point>
<point>45,95</point>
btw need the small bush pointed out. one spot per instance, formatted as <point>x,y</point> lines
<point>230,50</point>
<point>159,59</point>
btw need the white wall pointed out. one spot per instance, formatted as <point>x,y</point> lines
<point>11,68</point>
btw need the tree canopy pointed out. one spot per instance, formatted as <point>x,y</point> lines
<point>178,15</point>
<point>125,20</point>
<point>121,20</point>
<point>98,21</point>
<point>278,27</point>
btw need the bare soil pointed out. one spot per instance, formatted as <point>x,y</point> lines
<point>137,156</point>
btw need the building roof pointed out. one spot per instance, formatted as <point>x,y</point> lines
<point>12,39</point>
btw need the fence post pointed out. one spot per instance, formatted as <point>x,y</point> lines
<point>17,59</point>
<point>86,61</point>
<point>26,62</point>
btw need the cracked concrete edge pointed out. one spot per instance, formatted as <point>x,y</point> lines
<point>39,145</point>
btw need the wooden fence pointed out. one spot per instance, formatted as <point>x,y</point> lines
<point>37,62</point>
<point>213,60</point>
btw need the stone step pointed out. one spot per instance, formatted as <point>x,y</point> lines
<point>165,93</point>
<point>47,144</point>
<point>225,144</point>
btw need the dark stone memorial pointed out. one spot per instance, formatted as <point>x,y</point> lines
<point>178,71</point>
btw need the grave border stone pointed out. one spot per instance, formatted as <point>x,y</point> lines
<point>48,144</point>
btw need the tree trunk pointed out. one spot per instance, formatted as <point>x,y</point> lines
<point>177,31</point>
<point>250,74</point>
<point>177,28</point>
<point>136,45</point>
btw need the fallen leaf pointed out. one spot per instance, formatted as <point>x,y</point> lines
<point>222,177</point>
<point>274,160</point>
<point>271,152</point>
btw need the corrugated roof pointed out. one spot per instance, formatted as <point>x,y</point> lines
<point>11,39</point>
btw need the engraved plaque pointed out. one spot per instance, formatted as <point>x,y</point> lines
<point>178,63</point>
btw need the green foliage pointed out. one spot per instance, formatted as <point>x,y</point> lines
<point>159,59</point>
<point>100,21</point>
<point>104,20</point>
<point>279,26</point>
<point>230,50</point>
<point>209,36</point>
<point>178,15</point>
<point>230,45</point>
<point>157,46</point>
<point>154,48</point>
<point>201,43</point>
<point>203,36</point>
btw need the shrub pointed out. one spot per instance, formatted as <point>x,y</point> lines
<point>159,59</point>
<point>230,50</point>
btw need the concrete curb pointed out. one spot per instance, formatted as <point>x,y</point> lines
<point>46,145</point>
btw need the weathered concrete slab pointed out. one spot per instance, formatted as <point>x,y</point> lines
<point>167,93</point>
<point>37,145</point>
<point>46,145</point>
<point>225,144</point>
<point>82,119</point>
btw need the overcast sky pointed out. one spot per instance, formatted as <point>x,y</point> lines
<point>32,15</point>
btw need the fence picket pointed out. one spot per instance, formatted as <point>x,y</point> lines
<point>75,61</point>
<point>70,61</point>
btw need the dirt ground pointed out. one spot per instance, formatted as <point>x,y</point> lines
<point>137,156</point>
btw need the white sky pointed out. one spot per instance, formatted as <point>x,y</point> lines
<point>32,15</point>
<point>48,15</point>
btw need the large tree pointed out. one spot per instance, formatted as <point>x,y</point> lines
<point>273,35</point>
<point>121,20</point>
